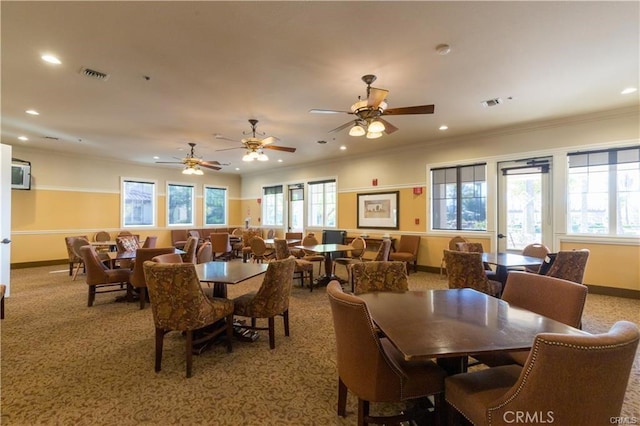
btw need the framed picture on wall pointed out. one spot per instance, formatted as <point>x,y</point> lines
<point>378,210</point>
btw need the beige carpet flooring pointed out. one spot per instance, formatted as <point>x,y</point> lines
<point>66,364</point>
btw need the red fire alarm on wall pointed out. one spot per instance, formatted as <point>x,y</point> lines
<point>259,200</point>
<point>417,190</point>
<point>374,182</point>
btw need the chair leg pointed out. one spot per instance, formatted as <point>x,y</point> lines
<point>2,308</point>
<point>70,268</point>
<point>75,273</point>
<point>159,340</point>
<point>189,351</point>
<point>229,332</point>
<point>342,398</point>
<point>272,333</point>
<point>92,295</point>
<point>363,411</point>
<point>285,317</point>
<point>143,296</point>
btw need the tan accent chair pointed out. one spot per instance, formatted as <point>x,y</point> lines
<point>137,279</point>
<point>3,289</point>
<point>168,258</point>
<point>379,276</point>
<point>271,299</point>
<point>259,250</point>
<point>179,304</point>
<point>221,246</point>
<point>312,256</point>
<point>355,256</point>
<point>407,251</point>
<point>98,276</point>
<point>303,267</point>
<point>73,256</point>
<point>204,253</point>
<point>190,250</point>
<point>179,238</point>
<point>567,380</point>
<point>453,246</point>
<point>560,300</point>
<point>102,236</point>
<point>570,265</point>
<point>465,270</point>
<point>535,250</point>
<point>371,367</point>
<point>150,242</point>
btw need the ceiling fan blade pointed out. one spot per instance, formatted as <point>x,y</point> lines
<point>376,96</point>
<point>280,148</point>
<point>224,138</point>
<point>235,147</point>
<point>388,127</point>
<point>169,162</point>
<point>421,109</point>
<point>329,111</point>
<point>344,126</point>
<point>269,139</point>
<point>209,163</point>
<point>210,167</point>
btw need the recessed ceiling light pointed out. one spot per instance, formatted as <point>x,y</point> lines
<point>51,59</point>
<point>23,138</point>
<point>443,127</point>
<point>628,90</point>
<point>32,112</point>
<point>279,160</point>
<point>237,168</point>
<point>155,157</point>
<point>344,148</point>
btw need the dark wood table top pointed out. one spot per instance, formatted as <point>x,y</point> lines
<point>289,241</point>
<point>326,248</point>
<point>456,322</point>
<point>130,255</point>
<point>229,272</point>
<point>510,260</point>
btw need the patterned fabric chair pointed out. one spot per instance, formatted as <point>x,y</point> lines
<point>247,235</point>
<point>271,299</point>
<point>567,380</point>
<point>137,279</point>
<point>190,250</point>
<point>466,270</point>
<point>98,276</point>
<point>570,265</point>
<point>453,245</point>
<point>73,257</point>
<point>560,300</point>
<point>379,276</point>
<point>371,367</point>
<point>535,250</point>
<point>259,250</point>
<point>303,267</point>
<point>295,236</point>
<point>126,243</point>
<point>205,253</point>
<point>359,247</point>
<point>407,251</point>
<point>477,248</point>
<point>382,255</point>
<point>179,304</point>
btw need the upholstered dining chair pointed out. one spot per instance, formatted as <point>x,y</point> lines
<point>99,277</point>
<point>137,278</point>
<point>126,243</point>
<point>379,276</point>
<point>477,248</point>
<point>407,251</point>
<point>102,236</point>
<point>247,235</point>
<point>77,244</point>
<point>554,298</point>
<point>221,245</point>
<point>271,299</point>
<point>259,250</point>
<point>295,236</point>
<point>311,240</point>
<point>3,289</point>
<point>355,256</point>
<point>150,241</point>
<point>371,367</point>
<point>569,265</point>
<point>73,256</point>
<point>382,255</point>
<point>190,250</point>
<point>303,267</point>
<point>179,304</point>
<point>566,380</point>
<point>168,258</point>
<point>204,253</point>
<point>453,246</point>
<point>535,250</point>
<point>465,269</point>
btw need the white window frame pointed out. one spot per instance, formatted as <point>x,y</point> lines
<point>193,201</point>
<point>324,205</point>
<point>204,205</point>
<point>123,204</point>
<point>278,199</point>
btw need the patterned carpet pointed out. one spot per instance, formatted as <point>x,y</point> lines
<point>66,364</point>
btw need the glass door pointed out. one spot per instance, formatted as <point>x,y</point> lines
<point>296,208</point>
<point>524,204</point>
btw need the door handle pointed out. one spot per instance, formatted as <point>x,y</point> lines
<point>502,236</point>
<point>5,241</point>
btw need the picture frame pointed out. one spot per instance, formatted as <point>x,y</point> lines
<point>378,210</point>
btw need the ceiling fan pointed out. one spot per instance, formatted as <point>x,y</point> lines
<point>369,112</point>
<point>254,146</point>
<point>192,163</point>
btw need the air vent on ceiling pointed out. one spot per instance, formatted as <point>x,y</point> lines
<point>491,102</point>
<point>52,138</point>
<point>88,72</point>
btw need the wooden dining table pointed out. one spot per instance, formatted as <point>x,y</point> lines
<point>221,274</point>
<point>451,325</point>
<point>327,250</point>
<point>504,261</point>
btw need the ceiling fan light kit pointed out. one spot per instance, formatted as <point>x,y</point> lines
<point>254,146</point>
<point>192,170</point>
<point>192,163</point>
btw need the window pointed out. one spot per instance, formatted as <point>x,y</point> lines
<point>322,204</point>
<point>138,201</point>
<point>215,206</point>
<point>180,202</point>
<point>459,198</point>
<point>272,206</point>
<point>604,192</point>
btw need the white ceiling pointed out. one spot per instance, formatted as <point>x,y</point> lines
<point>213,65</point>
